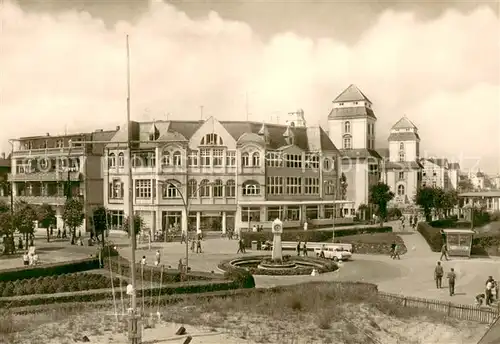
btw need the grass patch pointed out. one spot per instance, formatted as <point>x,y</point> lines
<point>374,243</point>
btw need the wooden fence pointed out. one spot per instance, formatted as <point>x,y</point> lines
<point>487,315</point>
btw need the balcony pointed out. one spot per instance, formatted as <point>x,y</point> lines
<point>44,177</point>
<point>62,151</point>
<point>56,200</point>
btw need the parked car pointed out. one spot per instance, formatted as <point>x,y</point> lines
<point>333,252</point>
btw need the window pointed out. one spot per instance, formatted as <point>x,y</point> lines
<point>116,189</point>
<point>245,159</point>
<point>211,140</point>
<point>205,188</point>
<point>347,142</point>
<point>177,159</point>
<point>347,127</point>
<point>143,188</point>
<point>311,186</point>
<point>30,145</point>
<point>293,185</point>
<point>59,144</point>
<point>111,160</point>
<point>192,188</point>
<point>250,214</point>
<point>171,189</point>
<point>401,190</point>
<point>218,157</point>
<point>151,160</point>
<point>274,186</point>
<point>434,184</point>
<point>293,213</point>
<point>274,213</point>
<point>401,146</point>
<point>329,187</point>
<point>218,188</point>
<point>205,157</point>
<point>312,161</point>
<point>230,188</point>
<point>368,129</point>
<point>273,159</point>
<point>256,159</point>
<point>230,158</point>
<point>401,175</point>
<point>312,212</point>
<point>327,165</point>
<point>121,159</point>
<point>43,164</point>
<point>401,156</point>
<point>251,188</point>
<point>293,160</point>
<point>193,158</point>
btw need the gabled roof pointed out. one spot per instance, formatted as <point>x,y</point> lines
<point>441,162</point>
<point>383,152</point>
<point>351,94</point>
<point>403,136</point>
<point>351,112</point>
<point>404,123</point>
<point>360,153</point>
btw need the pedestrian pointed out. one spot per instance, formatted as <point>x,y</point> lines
<point>241,248</point>
<point>305,225</point>
<point>452,277</point>
<point>183,238</point>
<point>157,258</point>
<point>180,266</point>
<point>59,233</point>
<point>26,259</point>
<point>438,275</point>
<point>396,252</point>
<point>444,252</point>
<point>254,228</point>
<point>488,291</point>
<point>143,260</point>
<point>298,249</point>
<point>322,252</point>
<point>304,249</point>
<point>393,248</point>
<point>198,246</point>
<point>402,223</point>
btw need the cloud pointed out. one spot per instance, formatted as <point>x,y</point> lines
<point>69,69</point>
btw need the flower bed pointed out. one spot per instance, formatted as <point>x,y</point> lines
<point>376,243</point>
<point>56,284</point>
<point>305,265</point>
<point>311,235</point>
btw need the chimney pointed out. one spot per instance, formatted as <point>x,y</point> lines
<point>117,127</point>
<point>47,134</point>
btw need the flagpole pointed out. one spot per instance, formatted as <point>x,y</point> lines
<point>134,331</point>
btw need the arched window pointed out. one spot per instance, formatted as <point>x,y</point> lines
<point>205,188</point>
<point>136,161</point>
<point>176,161</point>
<point>218,188</point>
<point>401,156</point>
<point>347,142</point>
<point>347,127</point>
<point>401,146</point>
<point>171,189</point>
<point>245,159</point>
<point>256,159</point>
<point>211,139</point>
<point>165,159</point>
<point>192,188</point>
<point>401,190</point>
<point>111,160</point>
<point>121,159</point>
<point>230,188</point>
<point>251,188</point>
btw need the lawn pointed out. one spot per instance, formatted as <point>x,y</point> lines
<point>330,313</point>
<point>372,238</point>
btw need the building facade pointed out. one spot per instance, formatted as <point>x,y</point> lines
<point>352,128</point>
<point>402,170</point>
<point>454,174</point>
<point>489,200</point>
<point>43,167</point>
<point>4,179</point>
<point>211,175</point>
<point>436,173</point>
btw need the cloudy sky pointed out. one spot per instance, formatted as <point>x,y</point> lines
<point>63,65</point>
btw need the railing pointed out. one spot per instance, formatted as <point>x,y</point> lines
<point>44,176</point>
<point>453,310</point>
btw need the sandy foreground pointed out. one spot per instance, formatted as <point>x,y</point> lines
<point>366,325</point>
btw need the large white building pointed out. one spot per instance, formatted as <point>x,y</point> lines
<point>402,170</point>
<point>352,128</point>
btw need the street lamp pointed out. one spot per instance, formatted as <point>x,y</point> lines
<point>186,203</point>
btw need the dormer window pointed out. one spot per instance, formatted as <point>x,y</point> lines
<point>401,146</point>
<point>347,127</point>
<point>211,140</point>
<point>341,104</point>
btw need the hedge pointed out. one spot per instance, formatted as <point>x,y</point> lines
<point>450,223</point>
<point>49,269</point>
<point>107,294</point>
<point>311,235</point>
<point>432,235</point>
<point>486,244</point>
<point>322,265</point>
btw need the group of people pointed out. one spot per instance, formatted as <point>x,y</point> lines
<point>302,248</point>
<point>490,293</point>
<point>157,259</point>
<point>451,276</point>
<point>195,242</point>
<point>412,221</point>
<point>30,258</point>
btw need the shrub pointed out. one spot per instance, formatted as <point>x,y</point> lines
<point>394,213</point>
<point>495,216</point>
<point>431,235</point>
<point>486,244</point>
<point>49,269</point>
<point>450,223</point>
<point>240,277</point>
<point>310,236</point>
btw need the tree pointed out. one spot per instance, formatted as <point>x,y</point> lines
<point>425,198</point>
<point>343,186</point>
<point>6,229</point>
<point>46,217</point>
<point>138,226</point>
<point>99,220</point>
<point>24,219</point>
<point>381,195</point>
<point>450,201</point>
<point>73,216</point>
<point>465,185</point>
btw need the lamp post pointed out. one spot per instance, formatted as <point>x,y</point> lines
<point>186,203</point>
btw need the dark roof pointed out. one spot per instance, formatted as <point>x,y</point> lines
<point>351,112</point>
<point>480,174</point>
<point>351,94</point>
<point>360,153</point>
<point>403,136</point>
<point>404,165</point>
<point>454,166</point>
<point>307,139</point>
<point>404,123</point>
<point>383,152</point>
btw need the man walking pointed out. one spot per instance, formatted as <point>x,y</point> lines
<point>438,275</point>
<point>393,249</point>
<point>444,252</point>
<point>298,248</point>
<point>451,281</point>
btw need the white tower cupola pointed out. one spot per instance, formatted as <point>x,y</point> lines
<point>297,119</point>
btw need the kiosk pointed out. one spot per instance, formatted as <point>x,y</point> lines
<point>459,241</point>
